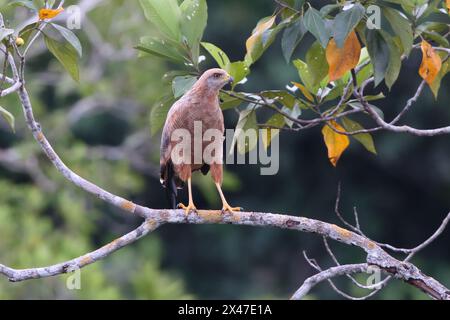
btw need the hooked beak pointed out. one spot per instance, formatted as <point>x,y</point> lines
<point>230,80</point>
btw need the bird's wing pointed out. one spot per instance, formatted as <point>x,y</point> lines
<point>191,107</point>
<point>177,118</point>
<point>174,117</point>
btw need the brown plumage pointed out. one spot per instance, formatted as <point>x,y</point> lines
<point>200,104</point>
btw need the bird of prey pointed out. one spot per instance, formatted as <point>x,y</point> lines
<point>199,105</point>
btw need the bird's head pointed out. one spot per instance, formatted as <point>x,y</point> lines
<point>215,79</point>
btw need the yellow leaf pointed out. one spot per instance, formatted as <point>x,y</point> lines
<point>343,59</point>
<point>257,32</point>
<point>304,91</point>
<point>431,63</point>
<point>49,13</point>
<point>336,143</point>
<point>448,5</point>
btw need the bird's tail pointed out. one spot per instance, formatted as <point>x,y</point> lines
<point>171,186</point>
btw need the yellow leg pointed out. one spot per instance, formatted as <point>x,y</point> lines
<point>191,205</point>
<point>226,206</point>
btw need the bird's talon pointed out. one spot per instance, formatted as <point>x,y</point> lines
<point>231,209</point>
<point>187,208</point>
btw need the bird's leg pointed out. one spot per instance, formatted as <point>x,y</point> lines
<point>191,205</point>
<point>226,206</point>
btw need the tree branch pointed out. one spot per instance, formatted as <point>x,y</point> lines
<point>155,217</point>
<point>15,275</point>
<point>16,86</point>
<point>312,281</point>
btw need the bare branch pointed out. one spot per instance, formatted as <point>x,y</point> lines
<point>316,266</point>
<point>433,237</point>
<point>394,128</point>
<point>333,257</point>
<point>410,102</point>
<point>59,164</point>
<point>7,79</point>
<point>15,275</point>
<point>339,215</point>
<point>11,89</point>
<point>326,275</point>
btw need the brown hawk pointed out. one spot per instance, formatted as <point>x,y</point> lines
<point>198,106</point>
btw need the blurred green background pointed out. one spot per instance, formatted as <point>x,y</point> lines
<point>100,127</point>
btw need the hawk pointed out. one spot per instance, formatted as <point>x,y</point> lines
<point>198,106</point>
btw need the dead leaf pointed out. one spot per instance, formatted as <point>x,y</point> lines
<point>431,63</point>
<point>336,143</point>
<point>49,13</point>
<point>343,59</point>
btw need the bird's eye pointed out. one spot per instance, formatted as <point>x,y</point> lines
<point>217,75</point>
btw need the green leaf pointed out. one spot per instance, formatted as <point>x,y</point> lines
<point>306,76</point>
<point>358,105</point>
<point>5,32</point>
<point>283,97</point>
<point>395,61</point>
<point>378,50</point>
<point>27,31</point>
<point>23,3</point>
<point>436,37</point>
<point>432,26</point>
<point>65,54</point>
<point>315,24</point>
<point>291,38</point>
<point>247,121</point>
<point>159,48</point>
<point>165,15</point>
<point>328,9</point>
<point>332,93</point>
<point>217,53</point>
<point>407,5</point>
<point>194,15</point>
<point>364,138</point>
<point>428,8</point>
<point>269,35</point>
<point>366,72</point>
<point>401,26</point>
<point>291,7</point>
<point>229,102</point>
<point>238,70</point>
<point>262,37</point>
<point>8,117</point>
<point>168,77</point>
<point>158,114</point>
<point>70,37</point>
<point>277,121</point>
<point>375,97</point>
<point>182,84</point>
<point>345,22</point>
<point>317,63</point>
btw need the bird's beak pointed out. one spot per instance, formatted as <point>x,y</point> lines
<point>230,80</point>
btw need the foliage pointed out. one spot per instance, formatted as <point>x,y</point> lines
<point>43,219</point>
<point>340,29</point>
<point>46,228</point>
